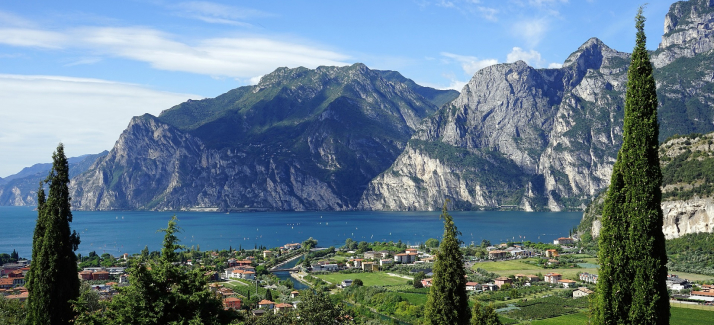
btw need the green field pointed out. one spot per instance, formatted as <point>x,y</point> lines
<point>369,279</point>
<point>414,298</point>
<point>680,316</point>
<point>506,266</point>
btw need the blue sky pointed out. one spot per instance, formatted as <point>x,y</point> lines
<point>77,71</point>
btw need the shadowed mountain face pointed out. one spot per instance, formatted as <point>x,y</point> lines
<point>299,140</point>
<point>548,138</point>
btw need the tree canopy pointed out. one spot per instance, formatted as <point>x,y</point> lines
<point>52,280</point>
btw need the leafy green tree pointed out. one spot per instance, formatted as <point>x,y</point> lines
<point>14,255</point>
<point>631,283</point>
<point>417,280</point>
<point>309,244</point>
<point>484,315</point>
<point>447,302</point>
<point>52,280</point>
<point>12,312</point>
<point>161,292</point>
<point>316,308</point>
<point>357,283</point>
<point>268,295</point>
<point>432,243</point>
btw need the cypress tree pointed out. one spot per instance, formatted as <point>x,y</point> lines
<point>631,283</point>
<point>447,302</point>
<point>52,280</point>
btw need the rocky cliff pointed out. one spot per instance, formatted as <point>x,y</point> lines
<point>299,140</point>
<point>562,128</point>
<point>687,192</point>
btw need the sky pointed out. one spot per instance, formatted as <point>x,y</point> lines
<point>77,71</point>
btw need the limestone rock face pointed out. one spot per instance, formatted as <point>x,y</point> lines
<point>172,170</point>
<point>688,30</point>
<point>557,128</point>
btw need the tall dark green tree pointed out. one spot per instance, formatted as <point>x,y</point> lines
<point>631,283</point>
<point>52,280</point>
<point>448,302</point>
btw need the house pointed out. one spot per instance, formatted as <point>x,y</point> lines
<point>581,292</point>
<point>21,297</point>
<point>563,241</point>
<point>124,278</point>
<point>551,253</point>
<point>231,303</point>
<point>501,280</point>
<point>370,267</point>
<point>212,276</point>
<point>257,312</point>
<point>126,256</point>
<point>552,278</point>
<point>518,252</point>
<point>497,254</point>
<point>346,283</point>
<point>553,262</point>
<point>6,283</point>
<point>266,304</point>
<point>116,270</point>
<point>426,282</point>
<point>239,273</point>
<point>384,253</point>
<point>532,278</point>
<point>267,254</point>
<point>385,262</point>
<point>370,255</point>
<point>293,246</point>
<point>100,275</point>
<point>411,251</point>
<point>472,286</point>
<point>489,287</point>
<point>405,258</point>
<point>566,283</point>
<point>281,307</point>
<point>294,294</point>
<point>85,275</point>
<point>326,268</point>
<point>588,278</point>
<point>357,262</point>
<point>245,262</point>
<point>676,283</point>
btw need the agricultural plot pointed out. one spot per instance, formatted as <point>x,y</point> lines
<point>369,279</point>
<point>680,316</point>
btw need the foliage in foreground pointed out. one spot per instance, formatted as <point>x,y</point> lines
<point>448,302</point>
<point>160,292</point>
<point>631,286</point>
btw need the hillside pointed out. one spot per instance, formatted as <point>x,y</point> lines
<point>687,194</point>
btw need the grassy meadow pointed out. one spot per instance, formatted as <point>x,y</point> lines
<point>368,278</point>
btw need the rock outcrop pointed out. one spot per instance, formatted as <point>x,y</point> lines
<point>688,31</point>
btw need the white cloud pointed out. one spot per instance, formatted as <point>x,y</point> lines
<point>555,65</point>
<point>83,61</point>
<point>216,13</point>
<point>239,57</point>
<point>488,13</point>
<point>31,38</point>
<point>531,31</point>
<point>541,3</point>
<point>531,57</point>
<point>470,64</point>
<point>87,115</point>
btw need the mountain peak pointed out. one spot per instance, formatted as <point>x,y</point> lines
<point>589,55</point>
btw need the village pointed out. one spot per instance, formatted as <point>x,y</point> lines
<point>248,281</point>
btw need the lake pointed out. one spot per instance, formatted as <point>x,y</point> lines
<point>118,232</point>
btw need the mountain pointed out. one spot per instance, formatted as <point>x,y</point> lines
<point>21,188</point>
<point>546,139</point>
<point>300,139</point>
<point>687,164</point>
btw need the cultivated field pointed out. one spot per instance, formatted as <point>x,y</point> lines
<point>368,278</point>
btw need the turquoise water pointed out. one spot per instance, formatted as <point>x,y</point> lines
<point>118,232</point>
